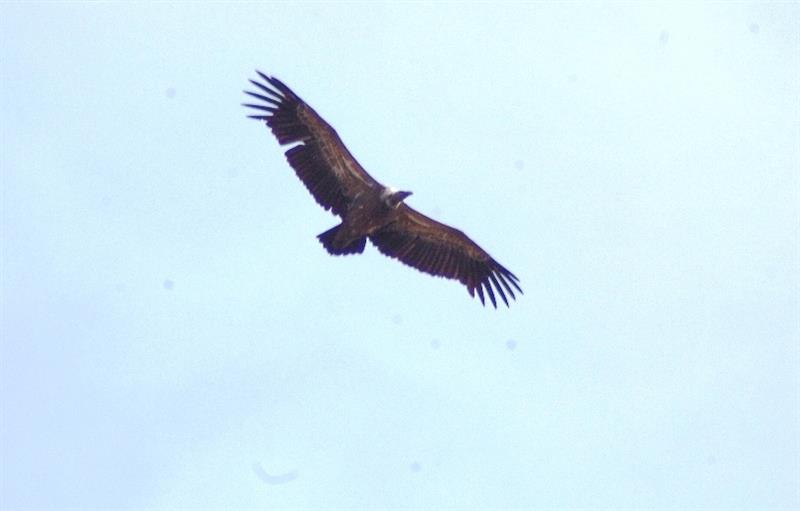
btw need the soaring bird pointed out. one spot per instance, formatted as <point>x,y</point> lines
<point>367,208</point>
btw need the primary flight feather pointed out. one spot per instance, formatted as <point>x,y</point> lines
<point>367,208</point>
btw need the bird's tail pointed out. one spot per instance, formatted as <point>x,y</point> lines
<point>328,238</point>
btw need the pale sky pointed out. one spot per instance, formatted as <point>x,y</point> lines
<point>173,334</point>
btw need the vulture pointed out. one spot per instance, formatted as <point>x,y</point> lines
<point>368,209</point>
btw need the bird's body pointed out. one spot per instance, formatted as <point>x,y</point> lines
<point>368,209</point>
<point>366,214</point>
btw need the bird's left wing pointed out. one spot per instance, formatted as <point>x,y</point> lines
<point>441,250</point>
<point>320,160</point>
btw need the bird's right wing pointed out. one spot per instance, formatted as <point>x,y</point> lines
<point>321,160</point>
<point>443,251</point>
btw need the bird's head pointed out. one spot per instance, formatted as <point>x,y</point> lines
<point>393,197</point>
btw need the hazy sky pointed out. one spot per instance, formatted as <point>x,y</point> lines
<point>173,335</point>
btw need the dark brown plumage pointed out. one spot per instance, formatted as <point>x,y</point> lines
<point>367,208</point>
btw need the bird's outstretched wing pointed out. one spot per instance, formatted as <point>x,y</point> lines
<point>440,250</point>
<point>320,159</point>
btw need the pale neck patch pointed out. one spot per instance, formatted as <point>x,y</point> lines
<point>387,192</point>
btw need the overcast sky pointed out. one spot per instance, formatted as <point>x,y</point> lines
<point>173,335</point>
